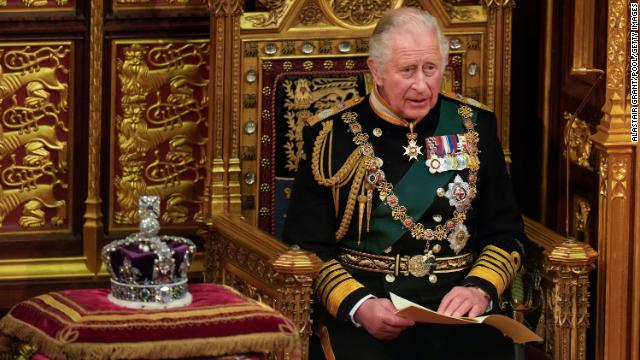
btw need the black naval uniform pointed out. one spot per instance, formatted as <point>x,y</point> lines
<point>493,222</point>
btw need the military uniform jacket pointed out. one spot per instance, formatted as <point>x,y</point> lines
<point>336,202</point>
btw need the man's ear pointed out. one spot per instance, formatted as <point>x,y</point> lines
<point>377,76</point>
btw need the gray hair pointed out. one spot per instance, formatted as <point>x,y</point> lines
<point>403,19</point>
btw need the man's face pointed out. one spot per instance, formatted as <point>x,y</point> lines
<point>410,80</point>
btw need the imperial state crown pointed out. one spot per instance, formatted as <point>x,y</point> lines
<point>149,271</point>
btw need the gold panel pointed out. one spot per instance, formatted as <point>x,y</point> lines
<point>36,133</point>
<point>22,6</point>
<point>158,128</point>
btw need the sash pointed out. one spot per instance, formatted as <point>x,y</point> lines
<point>416,191</point>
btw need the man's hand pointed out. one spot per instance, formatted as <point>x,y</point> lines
<point>378,317</point>
<point>462,300</point>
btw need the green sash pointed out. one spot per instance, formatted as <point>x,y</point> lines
<point>416,191</point>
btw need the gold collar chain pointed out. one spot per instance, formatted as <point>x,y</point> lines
<point>453,229</point>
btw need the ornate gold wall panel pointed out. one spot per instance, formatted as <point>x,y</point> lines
<point>36,137</point>
<point>37,5</point>
<point>158,128</point>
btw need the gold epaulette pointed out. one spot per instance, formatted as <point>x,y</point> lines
<point>466,100</point>
<point>332,111</point>
<point>496,266</point>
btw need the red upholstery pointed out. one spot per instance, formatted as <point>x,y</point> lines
<point>83,324</point>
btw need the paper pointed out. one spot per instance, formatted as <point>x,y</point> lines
<point>508,326</point>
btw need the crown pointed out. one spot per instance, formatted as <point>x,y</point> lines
<point>147,270</point>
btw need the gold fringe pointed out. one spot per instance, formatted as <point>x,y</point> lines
<point>167,349</point>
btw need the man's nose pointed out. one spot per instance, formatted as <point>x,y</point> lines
<point>420,82</point>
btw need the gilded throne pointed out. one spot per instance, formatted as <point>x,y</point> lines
<point>288,60</point>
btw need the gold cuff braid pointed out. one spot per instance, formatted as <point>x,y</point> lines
<point>496,266</point>
<point>333,285</point>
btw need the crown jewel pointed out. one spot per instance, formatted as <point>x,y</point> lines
<point>148,270</point>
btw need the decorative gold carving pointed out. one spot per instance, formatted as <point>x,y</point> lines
<point>619,184</point>
<point>568,265</point>
<point>276,9</point>
<point>38,3</point>
<point>35,126</point>
<point>360,12</point>
<point>491,55</point>
<point>310,14</point>
<point>463,13</point>
<point>302,97</point>
<point>28,68</point>
<point>616,52</point>
<point>223,8</point>
<point>172,120</point>
<point>92,227</point>
<point>603,172</point>
<point>498,3</point>
<point>581,210</point>
<point>577,137</point>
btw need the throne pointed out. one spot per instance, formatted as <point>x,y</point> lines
<point>286,61</point>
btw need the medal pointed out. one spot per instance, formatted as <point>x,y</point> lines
<point>458,194</point>
<point>412,149</point>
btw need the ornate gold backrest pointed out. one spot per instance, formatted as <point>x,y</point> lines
<point>300,57</point>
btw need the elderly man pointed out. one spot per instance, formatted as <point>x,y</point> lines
<point>406,192</point>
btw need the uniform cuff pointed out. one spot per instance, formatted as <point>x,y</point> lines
<point>337,290</point>
<point>496,266</point>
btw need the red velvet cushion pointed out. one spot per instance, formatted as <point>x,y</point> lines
<point>84,324</point>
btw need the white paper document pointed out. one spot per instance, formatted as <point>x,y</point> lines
<point>508,326</point>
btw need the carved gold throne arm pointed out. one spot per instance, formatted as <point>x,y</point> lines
<point>263,268</point>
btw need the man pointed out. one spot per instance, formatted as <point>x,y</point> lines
<point>406,192</point>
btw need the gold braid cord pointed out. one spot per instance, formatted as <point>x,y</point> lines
<point>353,170</point>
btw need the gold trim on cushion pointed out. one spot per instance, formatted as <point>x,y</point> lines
<point>496,266</point>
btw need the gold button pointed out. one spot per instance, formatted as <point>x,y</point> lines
<point>390,278</point>
<point>433,278</point>
<point>440,192</point>
<point>377,132</point>
<point>437,217</point>
<point>436,248</point>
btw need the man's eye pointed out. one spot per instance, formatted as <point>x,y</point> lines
<point>430,69</point>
